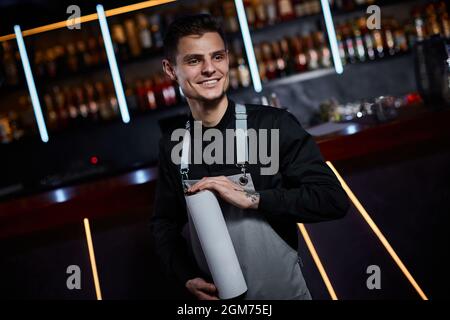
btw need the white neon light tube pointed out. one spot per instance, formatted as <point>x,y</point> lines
<point>254,72</point>
<point>332,36</point>
<point>31,85</point>
<point>113,65</point>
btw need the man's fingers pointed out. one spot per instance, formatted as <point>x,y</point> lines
<point>209,287</point>
<point>203,296</point>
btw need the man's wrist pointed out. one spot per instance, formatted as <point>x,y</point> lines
<point>253,196</point>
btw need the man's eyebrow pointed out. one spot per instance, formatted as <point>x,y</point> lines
<point>199,56</point>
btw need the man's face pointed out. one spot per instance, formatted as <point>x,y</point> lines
<point>201,67</point>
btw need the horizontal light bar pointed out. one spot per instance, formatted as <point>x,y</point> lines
<point>113,65</point>
<point>31,85</point>
<point>254,72</point>
<point>332,36</point>
<point>87,18</point>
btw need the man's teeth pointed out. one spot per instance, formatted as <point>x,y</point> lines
<point>209,83</point>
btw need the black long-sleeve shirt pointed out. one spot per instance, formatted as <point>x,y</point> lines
<point>303,190</point>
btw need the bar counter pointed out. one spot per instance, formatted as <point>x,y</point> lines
<point>133,192</point>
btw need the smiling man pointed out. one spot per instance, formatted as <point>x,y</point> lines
<point>261,211</point>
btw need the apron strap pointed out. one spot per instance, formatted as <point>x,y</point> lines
<point>241,141</point>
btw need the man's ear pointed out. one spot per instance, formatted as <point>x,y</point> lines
<point>169,69</point>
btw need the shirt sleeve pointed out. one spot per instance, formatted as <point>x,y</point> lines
<point>309,192</point>
<point>169,217</point>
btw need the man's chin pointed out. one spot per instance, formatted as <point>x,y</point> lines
<point>213,98</point>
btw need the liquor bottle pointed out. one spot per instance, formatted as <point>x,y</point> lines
<point>62,112</point>
<point>271,67</point>
<point>250,13</point>
<point>349,43</point>
<point>299,8</point>
<point>389,37</point>
<point>341,45</point>
<point>149,95</point>
<point>322,48</point>
<point>169,92</point>
<point>419,25</point>
<point>50,63</point>
<point>287,56</point>
<point>444,18</point>
<point>260,13</point>
<point>312,55</point>
<point>230,16</point>
<point>367,38</point>
<point>145,35</point>
<point>432,24</point>
<point>60,55</point>
<point>285,10</point>
<point>132,38</point>
<point>120,42</point>
<point>360,52</point>
<point>271,7</point>
<point>71,107</point>
<point>92,47</point>
<point>91,100</point>
<point>39,64</point>
<point>233,70</point>
<point>82,56</point>
<point>10,65</point>
<point>378,43</point>
<point>156,28</point>
<point>400,40</point>
<point>104,108</point>
<point>259,61</point>
<point>280,63</point>
<point>244,72</point>
<point>51,115</point>
<point>300,60</point>
<point>71,58</point>
<point>111,96</point>
<point>81,103</point>
<point>314,6</point>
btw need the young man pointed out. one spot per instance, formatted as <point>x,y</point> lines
<point>261,210</point>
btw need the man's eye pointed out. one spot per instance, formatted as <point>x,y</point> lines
<point>219,57</point>
<point>193,61</point>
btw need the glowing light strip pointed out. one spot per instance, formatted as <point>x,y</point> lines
<point>87,18</point>
<point>317,261</point>
<point>113,65</point>
<point>87,229</point>
<point>378,233</point>
<point>248,45</point>
<point>31,85</point>
<point>332,36</point>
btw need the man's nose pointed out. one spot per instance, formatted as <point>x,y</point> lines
<point>208,67</point>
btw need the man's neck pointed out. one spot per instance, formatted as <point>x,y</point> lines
<point>209,114</point>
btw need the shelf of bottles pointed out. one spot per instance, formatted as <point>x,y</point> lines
<point>73,78</point>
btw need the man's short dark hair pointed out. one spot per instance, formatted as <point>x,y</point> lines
<point>187,25</point>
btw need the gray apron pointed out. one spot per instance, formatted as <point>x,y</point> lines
<point>270,266</point>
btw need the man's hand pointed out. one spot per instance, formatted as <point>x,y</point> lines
<point>229,191</point>
<point>202,289</point>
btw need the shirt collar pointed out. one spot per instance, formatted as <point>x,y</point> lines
<point>224,121</point>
